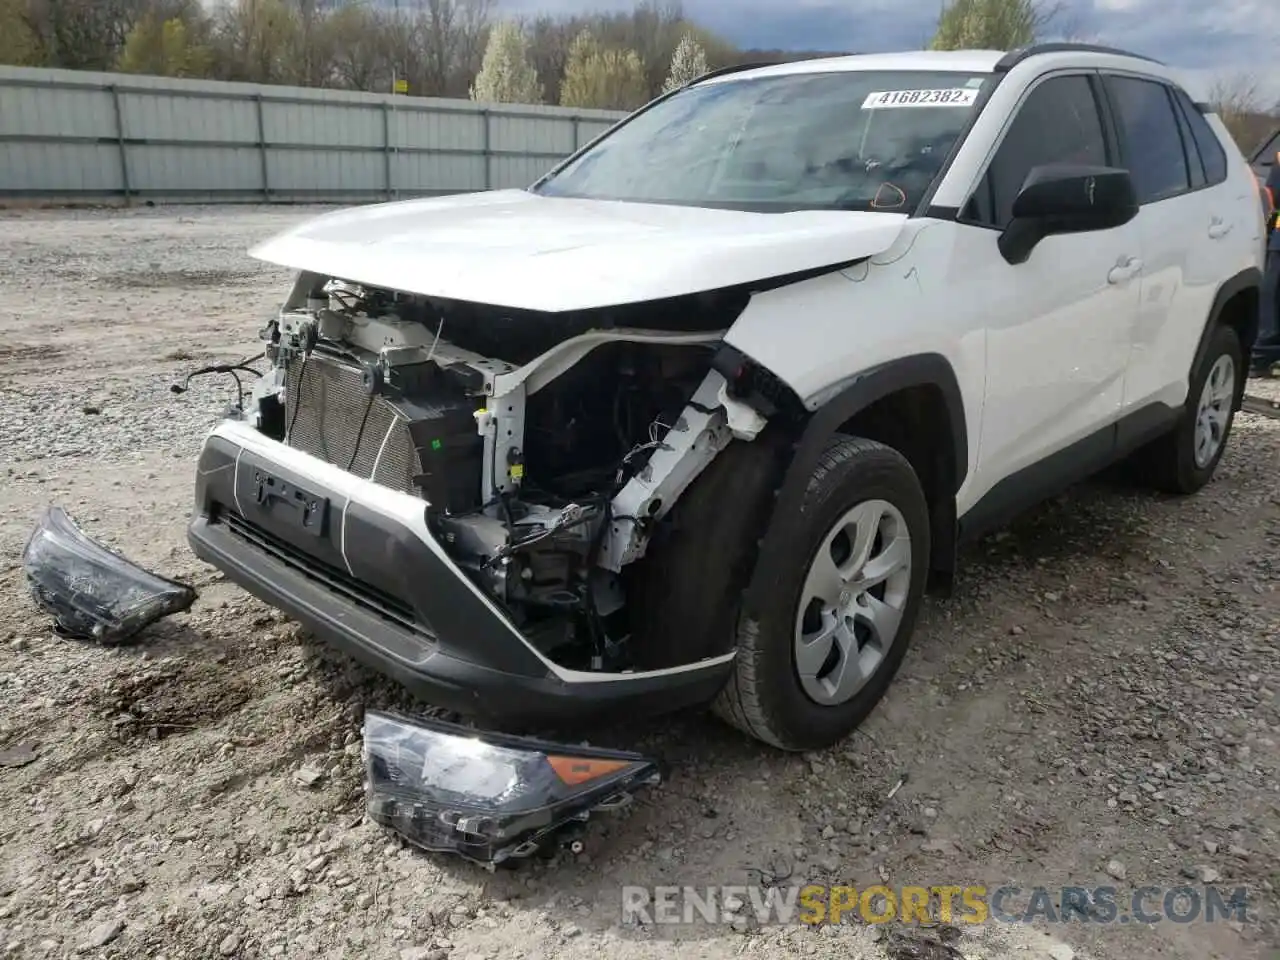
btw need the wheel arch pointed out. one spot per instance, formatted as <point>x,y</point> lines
<point>1236,304</point>
<point>924,382</point>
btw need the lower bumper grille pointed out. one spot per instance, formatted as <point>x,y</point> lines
<point>337,581</point>
<point>333,418</point>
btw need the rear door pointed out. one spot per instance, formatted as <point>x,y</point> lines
<point>1184,219</point>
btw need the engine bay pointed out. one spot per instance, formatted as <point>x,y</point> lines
<point>546,447</point>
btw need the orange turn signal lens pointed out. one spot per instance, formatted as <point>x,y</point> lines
<point>577,770</point>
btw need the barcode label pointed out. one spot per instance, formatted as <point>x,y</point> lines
<point>949,97</point>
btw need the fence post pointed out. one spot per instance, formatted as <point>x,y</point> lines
<point>386,149</point>
<point>577,124</point>
<point>262,150</point>
<point>488,154</point>
<point>124,150</point>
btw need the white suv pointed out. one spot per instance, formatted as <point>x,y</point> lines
<point>700,415</point>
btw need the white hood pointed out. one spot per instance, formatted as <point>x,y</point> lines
<point>516,249</point>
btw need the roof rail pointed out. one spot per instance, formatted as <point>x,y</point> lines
<point>735,68</point>
<point>1015,57</point>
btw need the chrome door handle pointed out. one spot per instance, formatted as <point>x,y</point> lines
<point>1125,270</point>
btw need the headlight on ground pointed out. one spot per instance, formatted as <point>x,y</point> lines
<point>92,592</point>
<point>488,797</point>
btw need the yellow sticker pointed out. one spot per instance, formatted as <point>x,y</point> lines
<point>517,471</point>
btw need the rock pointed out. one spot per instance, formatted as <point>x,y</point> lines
<point>18,756</point>
<point>102,934</point>
<point>571,930</point>
<point>364,901</point>
<point>229,945</point>
<point>1238,851</point>
<point>1060,951</point>
<point>828,832</point>
<point>940,846</point>
<point>20,644</point>
<point>416,953</point>
<point>308,776</point>
<point>1207,874</point>
<point>1116,869</point>
<point>1211,846</point>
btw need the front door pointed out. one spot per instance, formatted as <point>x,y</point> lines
<point>1058,326</point>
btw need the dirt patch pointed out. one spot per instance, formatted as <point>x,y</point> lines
<point>182,279</point>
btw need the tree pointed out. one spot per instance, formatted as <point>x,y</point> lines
<point>687,64</point>
<point>992,24</point>
<point>600,77</point>
<point>163,48</point>
<point>357,44</point>
<point>79,34</point>
<point>18,45</point>
<point>1238,101</point>
<point>259,41</point>
<point>506,75</point>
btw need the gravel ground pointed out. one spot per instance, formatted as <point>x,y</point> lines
<point>1099,705</point>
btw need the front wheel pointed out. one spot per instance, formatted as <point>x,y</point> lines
<point>837,621</point>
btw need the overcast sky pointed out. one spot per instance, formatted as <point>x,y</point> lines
<point>1205,37</point>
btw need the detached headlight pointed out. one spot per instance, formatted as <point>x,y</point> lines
<point>488,797</point>
<point>92,592</point>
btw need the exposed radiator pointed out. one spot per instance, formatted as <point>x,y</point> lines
<point>324,408</point>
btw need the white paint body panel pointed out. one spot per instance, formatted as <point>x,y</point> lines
<point>516,249</point>
<point>1045,352</point>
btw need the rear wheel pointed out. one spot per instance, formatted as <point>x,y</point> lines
<point>837,621</point>
<point>1184,460</point>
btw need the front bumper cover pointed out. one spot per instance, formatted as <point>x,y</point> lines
<point>355,563</point>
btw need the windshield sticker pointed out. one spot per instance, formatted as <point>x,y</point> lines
<point>892,99</point>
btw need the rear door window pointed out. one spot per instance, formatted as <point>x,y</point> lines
<point>1153,148</point>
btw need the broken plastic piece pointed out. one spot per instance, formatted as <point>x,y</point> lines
<point>92,592</point>
<point>489,797</point>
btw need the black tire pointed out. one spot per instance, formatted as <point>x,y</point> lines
<point>1168,463</point>
<point>764,696</point>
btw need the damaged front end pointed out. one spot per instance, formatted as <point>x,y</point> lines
<point>465,497</point>
<point>490,798</point>
<point>545,447</point>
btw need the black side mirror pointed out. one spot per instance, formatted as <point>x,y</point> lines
<point>1062,198</point>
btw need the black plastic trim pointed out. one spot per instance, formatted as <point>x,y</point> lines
<point>1249,278</point>
<point>927,369</point>
<point>937,212</point>
<point>444,680</point>
<point>1015,57</point>
<point>725,71</point>
<point>1053,474</point>
<point>456,653</point>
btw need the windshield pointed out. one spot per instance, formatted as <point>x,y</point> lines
<point>816,141</point>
